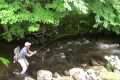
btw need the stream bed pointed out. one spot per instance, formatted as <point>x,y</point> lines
<point>61,55</point>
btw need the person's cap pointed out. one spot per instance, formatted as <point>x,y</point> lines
<point>27,44</point>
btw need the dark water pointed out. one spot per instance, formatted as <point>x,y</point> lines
<point>76,51</point>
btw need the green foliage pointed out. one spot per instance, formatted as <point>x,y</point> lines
<point>57,5</point>
<point>20,17</point>
<point>14,14</point>
<point>33,28</point>
<point>4,61</point>
<point>16,30</point>
<point>76,25</point>
<point>76,5</point>
<point>107,14</point>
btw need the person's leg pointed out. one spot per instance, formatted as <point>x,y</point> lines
<point>23,65</point>
<point>27,63</point>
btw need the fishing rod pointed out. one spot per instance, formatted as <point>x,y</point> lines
<point>43,52</point>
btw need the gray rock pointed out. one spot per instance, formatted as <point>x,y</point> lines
<point>69,49</point>
<point>92,75</point>
<point>83,74</point>
<point>115,51</point>
<point>114,61</point>
<point>57,76</point>
<point>69,43</point>
<point>61,47</point>
<point>78,43</point>
<point>48,50</point>
<point>44,75</point>
<point>86,42</point>
<point>109,76</point>
<point>28,78</point>
<point>107,46</point>
<point>62,55</point>
<point>78,74</point>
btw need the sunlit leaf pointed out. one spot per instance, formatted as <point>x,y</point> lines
<point>4,61</point>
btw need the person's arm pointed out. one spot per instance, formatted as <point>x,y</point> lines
<point>31,53</point>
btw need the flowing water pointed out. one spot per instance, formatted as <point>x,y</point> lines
<point>60,55</point>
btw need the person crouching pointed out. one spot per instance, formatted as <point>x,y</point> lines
<point>25,52</point>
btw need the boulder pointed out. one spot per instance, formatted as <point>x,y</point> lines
<point>78,74</point>
<point>57,76</point>
<point>106,46</point>
<point>44,75</point>
<point>109,76</point>
<point>67,78</point>
<point>104,74</point>
<point>28,78</point>
<point>114,62</point>
<point>99,68</point>
<point>64,78</point>
<point>69,43</point>
<point>92,75</point>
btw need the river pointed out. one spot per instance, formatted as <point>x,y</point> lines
<point>61,55</point>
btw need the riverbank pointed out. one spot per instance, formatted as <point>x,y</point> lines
<point>61,54</point>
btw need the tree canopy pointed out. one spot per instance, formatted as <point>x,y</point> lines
<point>21,17</point>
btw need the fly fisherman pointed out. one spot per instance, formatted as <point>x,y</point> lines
<point>21,59</point>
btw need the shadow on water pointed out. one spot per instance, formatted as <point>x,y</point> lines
<point>60,55</point>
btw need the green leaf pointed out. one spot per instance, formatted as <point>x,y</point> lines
<point>33,28</point>
<point>4,61</point>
